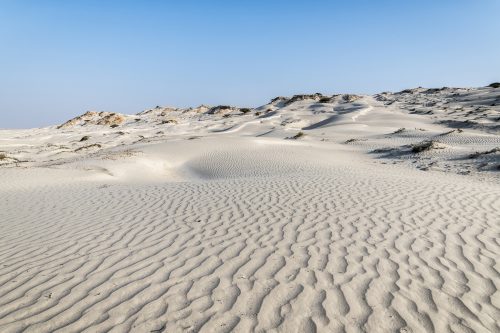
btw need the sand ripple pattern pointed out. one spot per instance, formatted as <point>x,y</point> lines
<point>337,251</point>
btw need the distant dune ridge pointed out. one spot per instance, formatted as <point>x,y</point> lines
<point>312,213</point>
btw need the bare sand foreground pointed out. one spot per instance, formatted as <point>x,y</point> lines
<point>312,213</point>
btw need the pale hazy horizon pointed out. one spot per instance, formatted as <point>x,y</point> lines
<point>63,59</point>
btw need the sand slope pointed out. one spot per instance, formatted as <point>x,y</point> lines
<point>228,227</point>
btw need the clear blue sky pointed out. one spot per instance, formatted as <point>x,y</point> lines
<point>61,58</point>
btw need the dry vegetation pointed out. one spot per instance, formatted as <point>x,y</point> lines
<point>297,136</point>
<point>425,146</point>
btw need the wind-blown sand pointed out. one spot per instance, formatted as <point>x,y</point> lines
<point>209,220</point>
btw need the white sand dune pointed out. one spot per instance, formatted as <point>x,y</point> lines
<point>218,223</point>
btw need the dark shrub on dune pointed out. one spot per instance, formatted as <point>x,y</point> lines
<point>219,109</point>
<point>325,99</point>
<point>296,136</point>
<point>425,146</point>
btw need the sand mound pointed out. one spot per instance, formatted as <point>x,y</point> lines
<point>95,118</point>
<point>325,250</point>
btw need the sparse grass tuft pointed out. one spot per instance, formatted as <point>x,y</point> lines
<point>425,146</point>
<point>401,130</point>
<point>478,154</point>
<point>297,136</point>
<point>447,133</point>
<point>383,150</point>
<point>95,145</point>
<point>4,157</point>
